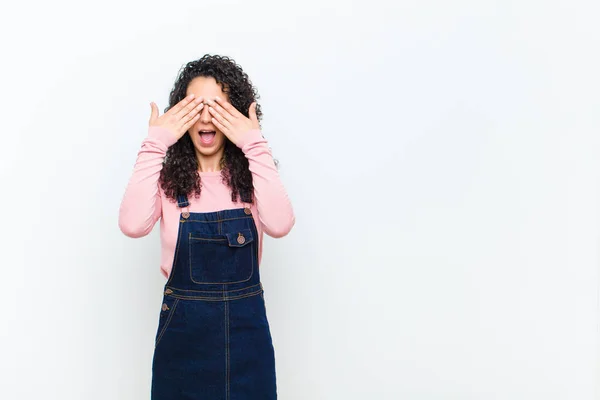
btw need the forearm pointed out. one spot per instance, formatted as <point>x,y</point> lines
<point>274,206</point>
<point>141,203</point>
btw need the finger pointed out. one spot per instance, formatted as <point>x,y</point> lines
<point>154,112</point>
<point>223,121</point>
<point>191,122</point>
<point>219,125</point>
<point>222,111</point>
<point>187,109</point>
<point>252,112</point>
<point>177,107</point>
<point>192,114</point>
<point>228,106</point>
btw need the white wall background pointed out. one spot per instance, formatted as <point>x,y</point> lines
<point>442,159</point>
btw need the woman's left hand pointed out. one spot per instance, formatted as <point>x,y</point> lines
<point>230,121</point>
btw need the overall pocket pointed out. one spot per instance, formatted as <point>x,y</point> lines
<point>221,258</point>
<point>166,315</point>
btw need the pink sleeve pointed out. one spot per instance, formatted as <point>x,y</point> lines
<point>274,207</point>
<point>141,204</point>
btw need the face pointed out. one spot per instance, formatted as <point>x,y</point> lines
<point>207,139</point>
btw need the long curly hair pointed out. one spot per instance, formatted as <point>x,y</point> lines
<point>179,175</point>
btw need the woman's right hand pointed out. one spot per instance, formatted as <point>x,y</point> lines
<point>179,118</point>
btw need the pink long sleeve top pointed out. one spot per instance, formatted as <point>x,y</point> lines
<point>144,202</point>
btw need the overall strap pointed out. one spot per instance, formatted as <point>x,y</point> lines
<point>182,201</point>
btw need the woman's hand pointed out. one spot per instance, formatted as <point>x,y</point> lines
<point>230,121</point>
<point>179,118</point>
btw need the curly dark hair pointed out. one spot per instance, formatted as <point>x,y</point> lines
<point>179,175</point>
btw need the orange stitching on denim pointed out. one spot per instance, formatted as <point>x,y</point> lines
<point>218,283</point>
<point>207,239</point>
<point>190,254</point>
<point>164,329</point>
<point>215,298</point>
<point>216,220</point>
<point>199,236</point>
<point>226,351</point>
<point>214,291</point>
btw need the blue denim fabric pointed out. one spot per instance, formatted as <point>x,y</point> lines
<point>213,340</point>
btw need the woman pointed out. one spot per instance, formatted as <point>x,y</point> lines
<point>207,172</point>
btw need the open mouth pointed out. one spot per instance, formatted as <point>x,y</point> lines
<point>207,137</point>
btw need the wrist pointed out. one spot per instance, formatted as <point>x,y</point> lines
<point>250,137</point>
<point>163,135</point>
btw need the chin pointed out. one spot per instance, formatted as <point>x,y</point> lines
<point>207,152</point>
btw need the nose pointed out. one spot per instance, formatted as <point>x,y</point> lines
<point>205,115</point>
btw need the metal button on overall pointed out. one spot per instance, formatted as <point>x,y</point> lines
<point>241,239</point>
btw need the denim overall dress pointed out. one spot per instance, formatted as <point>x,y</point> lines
<point>213,340</point>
